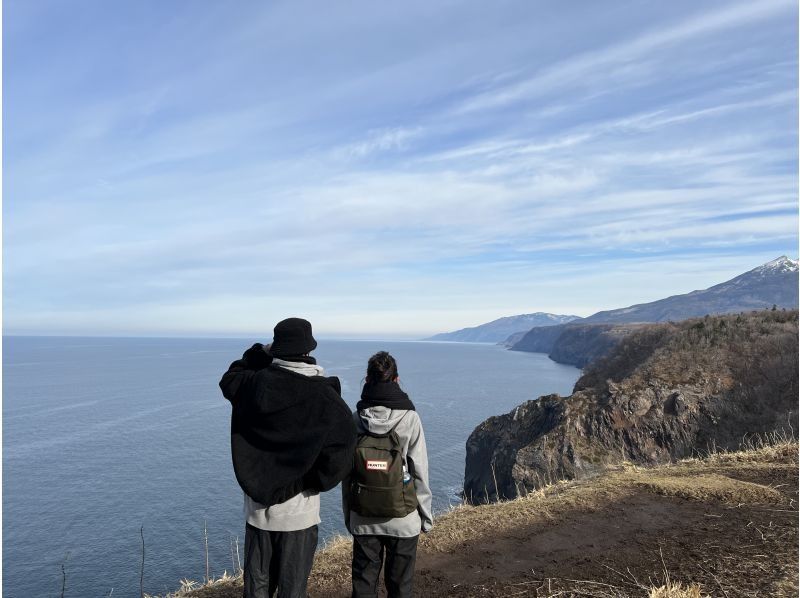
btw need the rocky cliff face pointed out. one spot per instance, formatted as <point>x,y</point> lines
<point>540,339</point>
<point>573,344</point>
<point>665,392</point>
<point>580,345</point>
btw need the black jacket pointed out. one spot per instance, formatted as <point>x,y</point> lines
<point>289,432</point>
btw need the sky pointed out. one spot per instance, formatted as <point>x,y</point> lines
<point>382,169</point>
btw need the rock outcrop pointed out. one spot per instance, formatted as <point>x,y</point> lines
<point>666,391</point>
<point>574,344</point>
<point>540,339</point>
<point>580,345</point>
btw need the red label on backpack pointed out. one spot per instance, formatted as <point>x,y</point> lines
<point>375,465</point>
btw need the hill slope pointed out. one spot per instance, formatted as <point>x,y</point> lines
<point>498,330</point>
<point>727,523</point>
<point>774,283</point>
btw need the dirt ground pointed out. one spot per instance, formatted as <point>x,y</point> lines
<point>625,549</point>
<point>728,523</point>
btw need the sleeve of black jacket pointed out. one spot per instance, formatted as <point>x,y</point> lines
<point>242,370</point>
<point>336,457</point>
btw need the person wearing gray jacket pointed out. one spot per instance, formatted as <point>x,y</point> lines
<point>384,408</point>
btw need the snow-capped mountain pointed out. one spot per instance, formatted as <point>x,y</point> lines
<point>773,283</point>
<point>776,266</point>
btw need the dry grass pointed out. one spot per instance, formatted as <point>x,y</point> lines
<point>226,586</point>
<point>709,487</point>
<point>467,522</point>
<point>676,590</point>
<point>788,586</point>
<point>331,570</point>
<point>760,450</point>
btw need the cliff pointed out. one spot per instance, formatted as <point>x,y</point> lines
<point>574,344</point>
<point>580,345</point>
<point>540,339</point>
<point>666,391</point>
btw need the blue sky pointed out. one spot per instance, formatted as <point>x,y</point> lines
<point>386,169</point>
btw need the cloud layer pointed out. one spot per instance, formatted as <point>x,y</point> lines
<point>387,170</point>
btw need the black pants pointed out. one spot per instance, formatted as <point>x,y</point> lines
<point>368,552</point>
<point>278,561</point>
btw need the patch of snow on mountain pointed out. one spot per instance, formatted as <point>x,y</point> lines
<point>781,264</point>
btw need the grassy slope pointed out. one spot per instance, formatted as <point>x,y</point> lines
<point>725,524</point>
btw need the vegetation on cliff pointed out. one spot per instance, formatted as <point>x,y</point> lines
<point>581,345</point>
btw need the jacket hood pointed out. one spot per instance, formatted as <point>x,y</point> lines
<point>380,419</point>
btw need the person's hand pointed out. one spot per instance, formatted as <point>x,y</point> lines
<point>256,357</point>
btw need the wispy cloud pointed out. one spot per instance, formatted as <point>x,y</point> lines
<point>383,140</point>
<point>380,171</point>
<point>626,62</point>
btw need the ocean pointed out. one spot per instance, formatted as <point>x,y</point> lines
<point>108,438</point>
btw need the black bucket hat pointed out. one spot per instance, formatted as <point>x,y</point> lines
<point>292,337</point>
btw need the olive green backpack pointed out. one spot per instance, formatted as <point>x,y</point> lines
<point>380,486</point>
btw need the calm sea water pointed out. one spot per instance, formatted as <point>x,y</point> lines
<point>104,436</point>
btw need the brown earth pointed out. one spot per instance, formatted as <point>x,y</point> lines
<point>727,523</point>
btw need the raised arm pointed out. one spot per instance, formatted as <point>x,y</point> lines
<point>240,371</point>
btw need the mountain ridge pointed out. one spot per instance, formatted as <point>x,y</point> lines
<point>500,329</point>
<point>774,283</point>
<point>741,293</point>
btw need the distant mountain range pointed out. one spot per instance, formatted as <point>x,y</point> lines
<point>499,330</point>
<point>774,283</point>
<point>578,342</point>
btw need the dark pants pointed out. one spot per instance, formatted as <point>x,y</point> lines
<point>368,551</point>
<point>278,561</point>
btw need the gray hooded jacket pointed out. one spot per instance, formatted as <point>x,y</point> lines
<point>379,420</point>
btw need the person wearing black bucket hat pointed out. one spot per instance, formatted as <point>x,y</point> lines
<point>292,437</point>
<point>292,338</point>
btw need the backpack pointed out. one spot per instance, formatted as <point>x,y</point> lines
<point>380,486</point>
